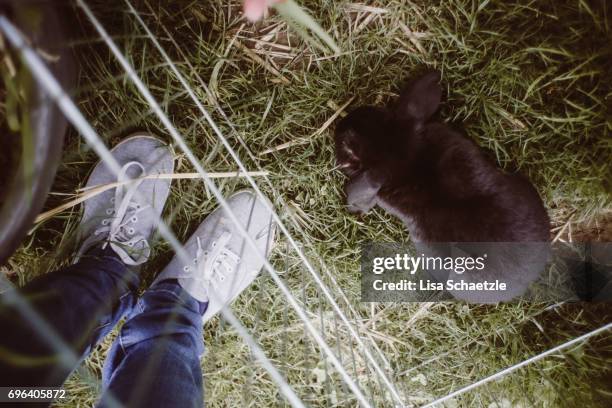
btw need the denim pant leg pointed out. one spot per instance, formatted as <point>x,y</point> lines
<point>155,361</point>
<point>49,325</point>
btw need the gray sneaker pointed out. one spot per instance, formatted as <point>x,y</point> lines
<point>124,217</point>
<point>222,264</point>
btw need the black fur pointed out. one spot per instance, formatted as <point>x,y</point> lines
<point>438,181</point>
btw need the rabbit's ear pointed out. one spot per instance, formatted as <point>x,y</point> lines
<point>421,98</point>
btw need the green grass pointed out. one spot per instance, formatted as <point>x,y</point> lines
<point>530,82</point>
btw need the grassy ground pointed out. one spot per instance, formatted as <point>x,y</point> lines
<point>528,80</point>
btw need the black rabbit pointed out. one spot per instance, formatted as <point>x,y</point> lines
<point>439,182</point>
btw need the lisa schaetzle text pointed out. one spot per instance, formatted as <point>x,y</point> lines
<point>427,284</point>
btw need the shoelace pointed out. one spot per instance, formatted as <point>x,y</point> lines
<point>133,248</point>
<point>215,265</point>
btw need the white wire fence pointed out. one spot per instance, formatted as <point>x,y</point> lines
<point>335,356</point>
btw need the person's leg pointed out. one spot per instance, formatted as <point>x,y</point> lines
<point>155,360</point>
<point>57,318</point>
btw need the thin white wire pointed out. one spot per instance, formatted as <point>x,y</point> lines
<point>277,219</point>
<point>278,196</point>
<point>59,96</point>
<point>222,202</point>
<point>515,367</point>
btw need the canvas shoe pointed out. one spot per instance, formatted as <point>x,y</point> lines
<point>124,217</point>
<point>221,262</point>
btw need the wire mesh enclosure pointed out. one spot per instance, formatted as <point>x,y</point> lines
<point>221,91</point>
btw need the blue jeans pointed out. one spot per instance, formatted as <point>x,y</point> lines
<point>53,323</point>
